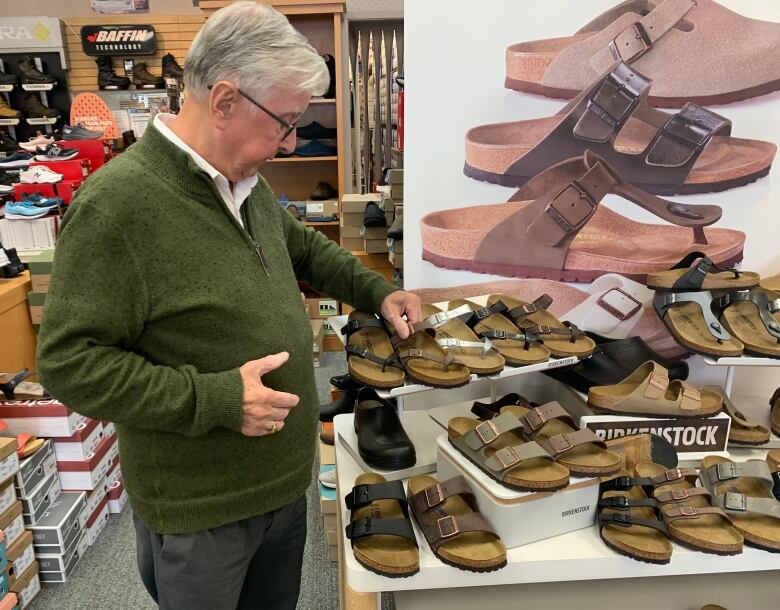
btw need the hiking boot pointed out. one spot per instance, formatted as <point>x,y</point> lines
<point>31,75</point>
<point>79,132</point>
<point>170,67</point>
<point>8,79</point>
<point>143,78</point>
<point>7,143</point>
<point>6,112</point>
<point>108,79</point>
<point>35,110</point>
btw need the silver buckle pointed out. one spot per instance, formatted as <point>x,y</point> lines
<point>726,471</point>
<point>735,501</point>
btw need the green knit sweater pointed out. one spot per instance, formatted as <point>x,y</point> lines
<point>157,297</point>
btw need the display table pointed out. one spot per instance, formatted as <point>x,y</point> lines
<point>17,337</point>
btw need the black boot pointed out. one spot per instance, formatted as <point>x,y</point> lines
<point>331,63</point>
<point>170,67</point>
<point>343,404</point>
<point>142,78</point>
<point>7,143</point>
<point>345,382</point>
<point>108,79</point>
<point>8,79</point>
<point>31,74</point>
<point>35,110</point>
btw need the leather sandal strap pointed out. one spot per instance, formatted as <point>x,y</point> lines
<point>694,277</point>
<point>438,531</point>
<point>353,326</point>
<point>364,494</point>
<point>365,527</point>
<point>675,512</point>
<point>562,443</point>
<point>392,360</point>
<point>8,388</point>
<point>625,503</point>
<point>413,352</point>
<point>442,317</point>
<point>625,483</point>
<point>766,306</point>
<point>729,471</point>
<point>736,503</point>
<point>680,495</point>
<point>489,431</point>
<point>472,318</point>
<point>568,329</point>
<point>527,336</point>
<point>450,342</point>
<point>626,519</point>
<point>489,410</point>
<point>504,460</point>
<point>523,311</point>
<point>435,495</point>
<point>662,301</point>
<point>537,417</point>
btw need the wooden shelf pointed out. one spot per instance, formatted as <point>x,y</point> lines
<point>319,100</point>
<point>302,159</point>
<point>326,223</point>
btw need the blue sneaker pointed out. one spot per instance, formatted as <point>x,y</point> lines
<point>18,159</point>
<point>24,209</point>
<point>315,148</point>
<point>40,201</point>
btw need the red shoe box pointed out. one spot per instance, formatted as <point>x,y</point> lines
<point>97,521</point>
<point>81,443</point>
<point>86,474</point>
<point>93,150</point>
<point>67,189</point>
<point>72,169</point>
<point>117,497</point>
<point>95,496</point>
<point>43,418</point>
<point>47,190</point>
<point>114,472</point>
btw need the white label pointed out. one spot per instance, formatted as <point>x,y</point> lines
<point>14,530</point>
<point>30,591</point>
<point>49,465</point>
<point>7,498</point>
<point>24,560</point>
<point>9,466</point>
<point>314,208</point>
<point>38,86</point>
<point>5,88</point>
<point>9,121</point>
<point>554,364</point>
<point>42,121</point>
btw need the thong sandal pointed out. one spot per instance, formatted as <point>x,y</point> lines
<point>517,348</point>
<point>370,356</point>
<point>744,430</point>
<point>744,491</point>
<point>674,41</point>
<point>774,412</point>
<point>456,531</point>
<point>750,317</point>
<point>648,392</point>
<point>14,387</point>
<point>380,531</point>
<point>561,338</point>
<point>496,447</point>
<point>580,450</point>
<point>426,362</point>
<point>683,153</point>
<point>684,276</point>
<point>556,228</point>
<point>455,337</point>
<point>27,444</point>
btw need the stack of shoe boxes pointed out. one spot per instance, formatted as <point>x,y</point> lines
<point>40,277</point>
<point>351,219</point>
<point>393,200</point>
<point>12,531</point>
<point>328,501</point>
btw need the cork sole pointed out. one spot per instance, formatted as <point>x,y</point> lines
<point>391,556</point>
<point>773,459</point>
<point>472,551</point>
<point>686,323</point>
<point>513,350</point>
<point>775,417</point>
<point>488,364</point>
<point>428,372</point>
<point>713,281</point>
<point>535,474</point>
<point>743,321</point>
<point>761,531</point>
<point>559,345</point>
<point>376,341</point>
<point>637,542</point>
<point>612,400</point>
<point>707,533</point>
<point>583,460</point>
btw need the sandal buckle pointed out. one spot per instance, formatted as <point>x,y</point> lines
<point>511,461</point>
<point>360,528</point>
<point>487,432</point>
<point>622,483</point>
<point>530,308</point>
<point>622,519</point>
<point>439,498</point>
<point>679,494</point>
<point>641,35</point>
<point>535,418</point>
<point>563,222</point>
<point>450,524</point>
<point>688,511</point>
<point>673,475</point>
<point>735,501</point>
<point>620,502</point>
<point>500,334</point>
<point>560,443</point>
<point>542,329</point>
<point>482,313</point>
<point>613,310</point>
<point>726,471</point>
<point>660,381</point>
<point>694,395</point>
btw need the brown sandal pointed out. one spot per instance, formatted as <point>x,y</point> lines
<point>684,276</point>
<point>370,356</point>
<point>750,316</point>
<point>774,406</point>
<point>426,362</point>
<point>456,531</point>
<point>744,430</point>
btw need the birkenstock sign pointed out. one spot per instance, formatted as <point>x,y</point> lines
<point>136,39</point>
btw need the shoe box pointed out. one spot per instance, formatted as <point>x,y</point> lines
<point>318,334</point>
<point>9,461</point>
<point>322,210</point>
<point>12,523</point>
<point>374,239</point>
<point>27,586</point>
<point>87,473</point>
<point>62,525</point>
<point>21,556</point>
<point>117,497</point>
<point>94,497</point>
<point>43,417</point>
<point>7,495</point>
<point>81,444</point>
<point>3,559</point>
<point>34,470</point>
<point>114,470</point>
<point>321,308</point>
<point>109,429</point>
<point>96,522</point>
<point>58,568</point>
<point>40,267</point>
<point>40,499</point>
<point>93,151</point>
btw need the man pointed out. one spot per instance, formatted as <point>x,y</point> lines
<point>174,311</point>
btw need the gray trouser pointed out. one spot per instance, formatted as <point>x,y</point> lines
<point>253,564</point>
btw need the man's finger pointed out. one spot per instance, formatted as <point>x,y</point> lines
<point>280,400</point>
<point>270,363</point>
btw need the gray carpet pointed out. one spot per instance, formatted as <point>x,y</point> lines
<point>107,579</point>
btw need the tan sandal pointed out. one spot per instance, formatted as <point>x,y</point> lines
<point>455,337</point>
<point>648,392</point>
<point>497,448</point>
<point>774,414</point>
<point>744,430</point>
<point>426,362</point>
<point>517,348</point>
<point>561,338</point>
<point>370,356</point>
<point>456,531</point>
<point>580,450</point>
<point>380,531</point>
<point>750,316</point>
<point>744,491</point>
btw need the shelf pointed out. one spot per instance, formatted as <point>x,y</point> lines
<point>757,408</point>
<point>319,100</point>
<point>327,223</point>
<point>302,159</point>
<point>741,361</point>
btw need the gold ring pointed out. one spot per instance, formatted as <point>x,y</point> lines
<point>274,428</point>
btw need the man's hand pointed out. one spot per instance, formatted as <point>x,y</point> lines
<point>264,409</point>
<point>398,303</point>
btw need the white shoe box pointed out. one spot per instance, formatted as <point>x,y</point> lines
<point>95,496</point>
<point>81,443</point>
<point>520,517</point>
<point>86,474</point>
<point>114,472</point>
<point>43,418</point>
<point>40,499</point>
<point>9,461</point>
<point>20,557</point>
<point>7,495</point>
<point>63,523</point>
<point>27,586</point>
<point>57,568</point>
<point>35,469</point>
<point>108,429</point>
<point>12,523</point>
<point>117,497</point>
<point>96,522</point>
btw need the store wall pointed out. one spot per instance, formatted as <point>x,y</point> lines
<point>455,80</point>
<point>80,8</point>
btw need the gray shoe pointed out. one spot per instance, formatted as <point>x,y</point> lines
<point>79,132</point>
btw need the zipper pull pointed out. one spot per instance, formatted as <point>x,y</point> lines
<point>261,256</point>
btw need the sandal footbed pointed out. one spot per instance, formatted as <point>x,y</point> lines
<point>376,341</point>
<point>713,281</point>
<point>686,323</point>
<point>428,372</point>
<point>743,321</point>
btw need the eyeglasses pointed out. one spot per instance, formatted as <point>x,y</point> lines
<point>289,127</point>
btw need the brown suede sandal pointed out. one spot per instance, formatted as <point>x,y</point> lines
<point>497,448</point>
<point>744,491</point>
<point>580,450</point>
<point>749,316</point>
<point>744,430</point>
<point>456,531</point>
<point>458,339</point>
<point>370,356</point>
<point>683,153</point>
<point>556,228</point>
<point>673,41</point>
<point>380,531</point>
<point>648,392</point>
<point>774,406</point>
<point>561,338</point>
<point>426,362</point>
<point>517,348</point>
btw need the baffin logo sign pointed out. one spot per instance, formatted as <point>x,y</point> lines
<point>118,40</point>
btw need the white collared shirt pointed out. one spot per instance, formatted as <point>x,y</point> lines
<point>234,197</point>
